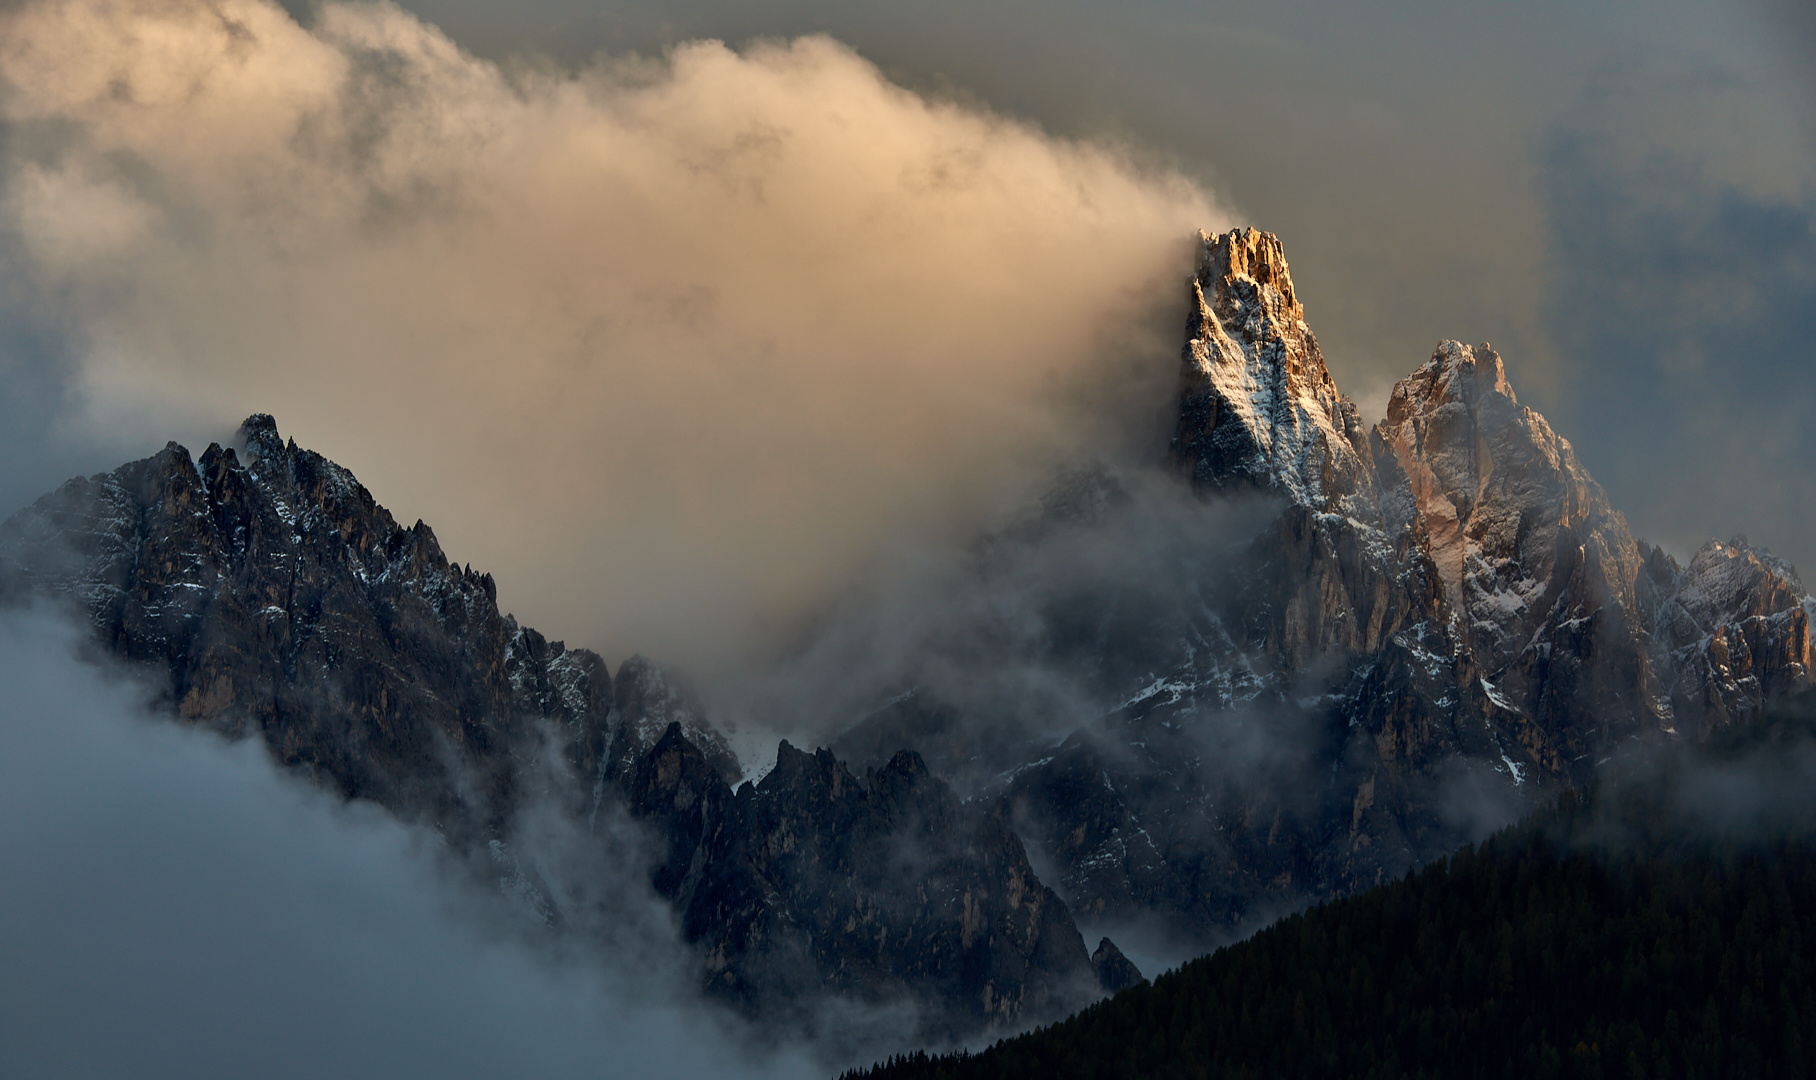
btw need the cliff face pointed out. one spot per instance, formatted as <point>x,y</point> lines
<point>1258,409</point>
<point>272,596</point>
<point>1730,632</point>
<point>1538,571</point>
<point>1445,612</point>
<point>813,880</point>
<point>268,595</point>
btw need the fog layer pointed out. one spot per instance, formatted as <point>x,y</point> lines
<point>175,906</point>
<point>668,344</point>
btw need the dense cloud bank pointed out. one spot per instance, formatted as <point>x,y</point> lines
<point>1406,157</point>
<point>670,345</point>
<point>175,906</point>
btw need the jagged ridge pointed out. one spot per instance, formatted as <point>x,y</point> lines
<point>1446,610</point>
<point>268,594</point>
<point>1444,604</point>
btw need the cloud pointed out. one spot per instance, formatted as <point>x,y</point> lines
<point>175,906</point>
<point>1036,630</point>
<point>1404,154</point>
<point>670,344</point>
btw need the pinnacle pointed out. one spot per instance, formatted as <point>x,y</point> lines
<point>1248,256</point>
<point>1258,407</point>
<point>1455,373</point>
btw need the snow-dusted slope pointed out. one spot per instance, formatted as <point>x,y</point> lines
<point>1502,497</point>
<point>1538,570</point>
<point>1258,408</point>
<point>1446,621</point>
<point>1729,633</point>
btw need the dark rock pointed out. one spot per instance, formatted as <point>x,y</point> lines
<point>813,882</point>
<point>272,597</point>
<point>1114,971</point>
<point>648,700</point>
<point>1731,632</point>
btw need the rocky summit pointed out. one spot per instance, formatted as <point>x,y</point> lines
<point>1439,621</point>
<point>1419,629</point>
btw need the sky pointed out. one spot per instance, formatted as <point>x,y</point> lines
<point>673,317</point>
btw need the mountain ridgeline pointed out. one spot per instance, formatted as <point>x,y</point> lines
<point>1443,624</point>
<point>1420,619</point>
<point>269,595</point>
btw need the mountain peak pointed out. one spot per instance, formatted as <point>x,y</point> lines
<point>1249,258</point>
<point>1258,407</point>
<point>258,433</point>
<point>1456,373</point>
<point>1537,566</point>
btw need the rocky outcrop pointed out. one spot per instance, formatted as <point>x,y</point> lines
<point>1731,632</point>
<point>1257,408</point>
<point>268,595</point>
<point>646,701</point>
<point>1444,621</point>
<point>1114,971</point>
<point>1538,570</point>
<point>815,882</point>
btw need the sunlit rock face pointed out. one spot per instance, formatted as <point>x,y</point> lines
<point>1538,570</point>
<point>1445,621</point>
<point>1258,409</point>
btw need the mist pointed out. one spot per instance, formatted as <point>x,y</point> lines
<point>1419,163</point>
<point>1745,787</point>
<point>174,905</point>
<point>1038,627</point>
<point>670,344</point>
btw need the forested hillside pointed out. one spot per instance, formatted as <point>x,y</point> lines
<point>1659,925</point>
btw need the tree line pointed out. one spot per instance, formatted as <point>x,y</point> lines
<point>1659,924</point>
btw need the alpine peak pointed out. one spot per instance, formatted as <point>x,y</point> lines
<point>1248,264</point>
<point>1258,407</point>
